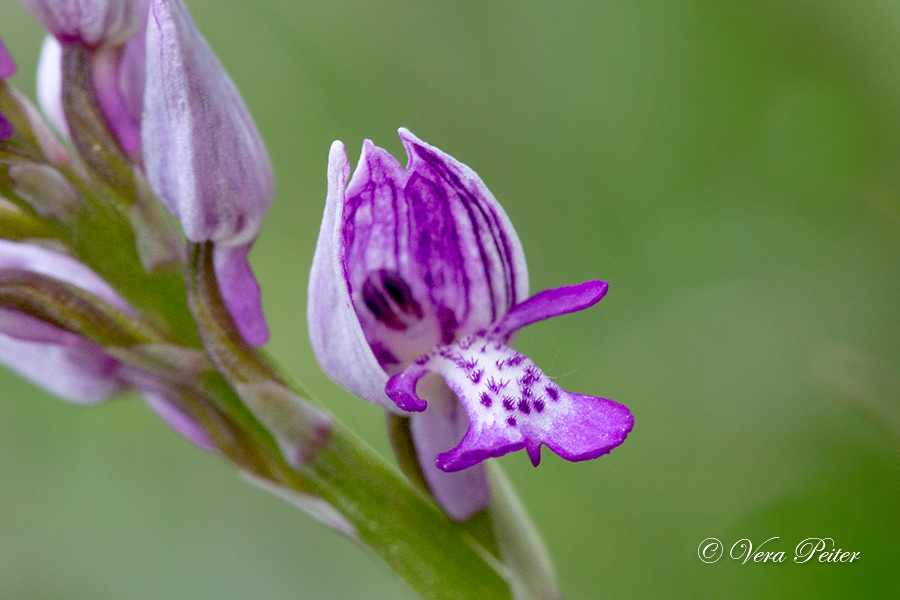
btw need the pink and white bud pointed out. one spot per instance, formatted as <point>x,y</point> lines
<point>204,156</point>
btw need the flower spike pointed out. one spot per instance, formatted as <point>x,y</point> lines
<point>419,271</point>
<point>204,157</point>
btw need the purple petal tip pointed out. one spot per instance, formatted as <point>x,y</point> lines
<point>401,388</point>
<point>241,293</point>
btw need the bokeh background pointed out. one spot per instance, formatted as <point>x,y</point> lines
<point>729,166</point>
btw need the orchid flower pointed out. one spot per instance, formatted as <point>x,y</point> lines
<point>66,364</point>
<point>419,271</point>
<point>204,157</point>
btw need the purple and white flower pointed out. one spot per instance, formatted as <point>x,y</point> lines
<point>419,271</point>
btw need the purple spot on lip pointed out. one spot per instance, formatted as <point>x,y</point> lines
<point>495,386</point>
<point>516,360</point>
<point>553,393</point>
<point>511,421</point>
<point>475,376</point>
<point>532,374</point>
<point>486,399</point>
<point>508,403</point>
<point>524,406</point>
<point>469,364</point>
<point>539,405</point>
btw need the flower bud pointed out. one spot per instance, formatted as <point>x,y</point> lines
<point>204,157</point>
<point>116,33</point>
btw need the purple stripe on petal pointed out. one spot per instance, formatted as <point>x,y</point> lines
<point>7,64</point>
<point>551,303</point>
<point>241,292</point>
<point>494,263</point>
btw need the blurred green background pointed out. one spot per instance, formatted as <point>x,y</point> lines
<point>729,166</point>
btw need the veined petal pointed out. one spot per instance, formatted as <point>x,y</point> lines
<point>458,219</point>
<point>511,404</point>
<point>203,155</point>
<point>93,22</point>
<point>334,329</point>
<point>7,64</point>
<point>428,253</point>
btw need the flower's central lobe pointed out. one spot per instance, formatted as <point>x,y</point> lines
<point>512,404</point>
